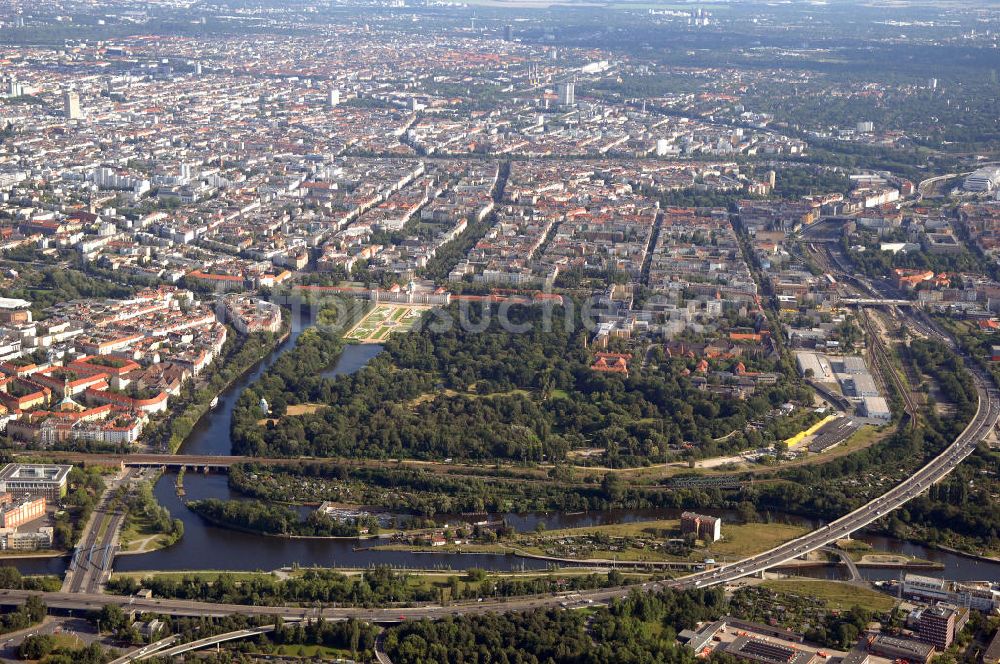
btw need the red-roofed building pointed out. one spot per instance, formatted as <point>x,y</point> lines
<point>612,362</point>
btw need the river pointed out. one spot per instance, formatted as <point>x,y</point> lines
<point>205,546</point>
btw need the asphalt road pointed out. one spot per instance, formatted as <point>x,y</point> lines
<point>94,555</point>
<point>984,421</point>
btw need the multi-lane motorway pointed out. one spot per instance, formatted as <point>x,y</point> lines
<point>93,557</point>
<point>984,421</point>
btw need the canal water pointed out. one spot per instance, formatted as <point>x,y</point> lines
<point>205,546</point>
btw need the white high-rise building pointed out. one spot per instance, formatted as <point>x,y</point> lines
<point>71,105</point>
<point>334,98</point>
<point>986,180</point>
<point>567,93</point>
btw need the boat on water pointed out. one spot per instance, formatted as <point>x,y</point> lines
<point>215,402</point>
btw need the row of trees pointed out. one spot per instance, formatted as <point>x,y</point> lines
<point>375,587</point>
<point>32,612</point>
<point>85,488</point>
<point>639,628</point>
<point>139,504</point>
<point>271,519</point>
<point>11,578</point>
<point>426,493</point>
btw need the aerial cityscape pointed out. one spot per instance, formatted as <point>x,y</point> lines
<point>500,331</point>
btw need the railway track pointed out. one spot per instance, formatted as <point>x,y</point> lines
<point>883,360</point>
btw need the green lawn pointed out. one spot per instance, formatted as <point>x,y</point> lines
<point>208,576</point>
<point>838,596</point>
<point>738,540</point>
<point>311,652</point>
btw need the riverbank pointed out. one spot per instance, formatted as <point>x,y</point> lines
<point>27,555</point>
<point>965,554</point>
<point>194,412</point>
<point>653,543</point>
<point>210,575</point>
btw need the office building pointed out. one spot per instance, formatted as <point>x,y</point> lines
<point>16,514</point>
<point>11,539</point>
<point>35,480</point>
<point>14,89</point>
<point>708,528</point>
<point>334,98</point>
<point>71,105</point>
<point>937,626</point>
<point>984,180</point>
<point>926,588</point>
<point>508,32</point>
<point>567,93</point>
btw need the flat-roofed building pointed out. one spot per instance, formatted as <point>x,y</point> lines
<point>768,652</point>
<point>19,513</point>
<point>992,653</point>
<point>876,408</point>
<point>809,362</point>
<point>862,385</point>
<point>856,657</point>
<point>937,626</point>
<point>984,180</point>
<point>708,528</point>
<point>35,480</point>
<point>893,647</point>
<point>925,587</point>
<point>850,364</point>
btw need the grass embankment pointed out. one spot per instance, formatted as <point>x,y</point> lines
<point>838,596</point>
<point>141,536</point>
<point>208,576</point>
<point>862,553</point>
<point>310,652</point>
